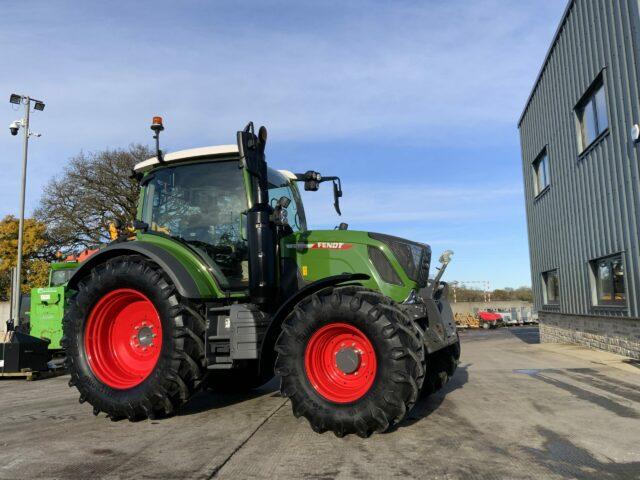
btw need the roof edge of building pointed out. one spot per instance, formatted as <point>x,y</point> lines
<point>563,20</point>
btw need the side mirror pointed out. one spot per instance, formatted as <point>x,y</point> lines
<point>337,193</point>
<point>312,182</point>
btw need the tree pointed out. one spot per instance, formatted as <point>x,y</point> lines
<point>500,294</point>
<point>524,293</point>
<point>37,252</point>
<point>464,294</point>
<point>94,190</point>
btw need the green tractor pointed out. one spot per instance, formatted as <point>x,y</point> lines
<point>224,286</point>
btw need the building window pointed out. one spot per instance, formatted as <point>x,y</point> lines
<point>608,281</point>
<point>541,179</point>
<point>592,114</point>
<point>551,287</point>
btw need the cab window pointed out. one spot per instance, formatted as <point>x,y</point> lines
<point>202,204</point>
<point>280,186</point>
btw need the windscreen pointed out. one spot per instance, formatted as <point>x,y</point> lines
<point>202,204</point>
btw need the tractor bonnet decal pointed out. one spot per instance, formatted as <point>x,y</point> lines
<point>321,246</point>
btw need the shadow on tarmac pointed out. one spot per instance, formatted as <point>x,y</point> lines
<point>530,335</point>
<point>208,400</point>
<point>562,457</point>
<point>426,406</point>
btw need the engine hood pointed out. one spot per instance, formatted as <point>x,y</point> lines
<point>398,261</point>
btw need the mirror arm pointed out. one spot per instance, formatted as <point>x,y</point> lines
<point>337,185</point>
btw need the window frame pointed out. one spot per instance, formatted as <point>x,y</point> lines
<point>535,166</point>
<point>544,276</point>
<point>596,296</point>
<point>589,100</point>
<point>146,214</point>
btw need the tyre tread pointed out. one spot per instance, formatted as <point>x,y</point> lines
<point>179,379</point>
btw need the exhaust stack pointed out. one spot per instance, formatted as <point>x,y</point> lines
<point>261,235</point>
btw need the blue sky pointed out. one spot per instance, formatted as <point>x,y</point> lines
<point>413,104</point>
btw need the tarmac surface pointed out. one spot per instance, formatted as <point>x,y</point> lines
<point>515,409</point>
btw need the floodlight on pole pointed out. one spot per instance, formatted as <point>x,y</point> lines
<point>16,99</point>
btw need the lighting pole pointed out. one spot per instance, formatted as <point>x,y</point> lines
<point>13,128</point>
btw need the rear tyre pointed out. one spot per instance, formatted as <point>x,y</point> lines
<point>349,361</point>
<point>134,347</point>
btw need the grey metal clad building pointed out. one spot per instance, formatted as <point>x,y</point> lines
<point>582,178</point>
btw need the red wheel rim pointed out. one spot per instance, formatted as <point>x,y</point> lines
<point>123,338</point>
<point>335,382</point>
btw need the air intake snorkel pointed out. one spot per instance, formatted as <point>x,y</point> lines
<point>261,235</point>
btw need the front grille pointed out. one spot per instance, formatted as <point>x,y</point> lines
<point>414,257</point>
<point>383,266</point>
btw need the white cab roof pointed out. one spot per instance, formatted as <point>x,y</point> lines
<point>215,151</point>
<point>220,151</point>
<point>288,174</point>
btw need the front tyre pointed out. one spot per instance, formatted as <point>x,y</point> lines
<point>349,361</point>
<point>134,347</point>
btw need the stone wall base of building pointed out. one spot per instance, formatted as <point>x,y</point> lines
<point>616,335</point>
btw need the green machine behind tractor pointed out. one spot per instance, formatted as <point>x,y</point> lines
<point>223,286</point>
<point>47,305</point>
<point>33,346</point>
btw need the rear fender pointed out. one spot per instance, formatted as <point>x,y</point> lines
<point>181,277</point>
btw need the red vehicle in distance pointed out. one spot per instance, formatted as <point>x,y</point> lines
<point>489,319</point>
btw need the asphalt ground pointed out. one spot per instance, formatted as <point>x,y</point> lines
<point>515,409</point>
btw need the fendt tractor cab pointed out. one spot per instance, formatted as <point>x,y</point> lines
<point>223,286</point>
